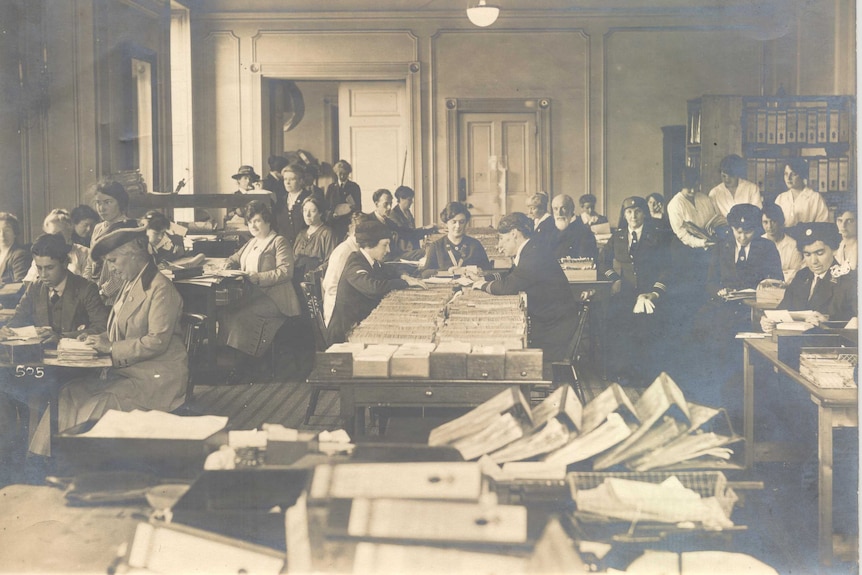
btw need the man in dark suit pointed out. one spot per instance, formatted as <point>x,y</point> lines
<point>550,304</point>
<point>365,280</point>
<point>823,285</point>
<point>574,238</point>
<point>343,197</point>
<point>638,262</point>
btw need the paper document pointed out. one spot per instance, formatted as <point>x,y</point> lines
<point>155,425</point>
<point>26,332</point>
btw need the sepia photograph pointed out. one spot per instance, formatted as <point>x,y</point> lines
<point>429,286</point>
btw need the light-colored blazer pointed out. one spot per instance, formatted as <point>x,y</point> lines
<point>275,268</point>
<point>147,345</point>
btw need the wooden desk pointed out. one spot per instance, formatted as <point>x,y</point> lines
<point>757,311</point>
<point>360,393</point>
<point>835,408</point>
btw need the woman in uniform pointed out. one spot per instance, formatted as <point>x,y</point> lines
<point>456,248</point>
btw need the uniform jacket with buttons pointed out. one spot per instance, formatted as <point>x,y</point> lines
<point>762,262</point>
<point>833,296</point>
<point>643,270</point>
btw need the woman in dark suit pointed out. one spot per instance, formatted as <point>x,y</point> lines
<point>833,294</point>
<point>637,261</point>
<point>14,258</point>
<point>289,221</point>
<point>456,248</point>
<point>267,260</point>
<point>343,197</point>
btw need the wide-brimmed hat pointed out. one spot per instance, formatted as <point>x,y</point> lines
<point>246,171</point>
<point>112,240</point>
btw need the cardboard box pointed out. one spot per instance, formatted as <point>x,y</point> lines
<point>166,458</point>
<point>373,361</point>
<point>336,362</point>
<point>412,360</point>
<point>23,352</point>
<point>524,364</point>
<point>487,362</point>
<point>248,504</point>
<point>449,360</point>
<point>790,344</point>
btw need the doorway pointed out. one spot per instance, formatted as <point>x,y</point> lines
<point>499,154</point>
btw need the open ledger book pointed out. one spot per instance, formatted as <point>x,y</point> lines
<point>660,431</point>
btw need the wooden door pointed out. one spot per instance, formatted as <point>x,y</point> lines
<point>373,135</point>
<point>497,158</point>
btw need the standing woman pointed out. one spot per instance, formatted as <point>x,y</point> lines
<point>313,244</point>
<point>734,188</point>
<point>848,249</point>
<point>800,203</point>
<point>657,210</point>
<point>456,248</point>
<point>14,259</point>
<point>267,259</point>
<point>289,219</point>
<point>111,203</point>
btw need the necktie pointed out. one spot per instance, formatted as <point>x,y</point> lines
<point>55,297</point>
<point>813,287</point>
<point>634,243</point>
<point>741,258</point>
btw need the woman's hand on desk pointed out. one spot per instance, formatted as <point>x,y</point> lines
<point>46,334</point>
<point>6,333</point>
<point>99,342</point>
<point>253,278</point>
<point>767,325</point>
<point>414,282</point>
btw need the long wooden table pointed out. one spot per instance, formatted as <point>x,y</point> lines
<point>835,408</point>
<point>357,394</point>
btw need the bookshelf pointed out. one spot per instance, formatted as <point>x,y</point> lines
<point>820,129</point>
<point>768,130</point>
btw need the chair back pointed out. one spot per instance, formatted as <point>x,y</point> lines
<point>311,290</point>
<point>193,326</point>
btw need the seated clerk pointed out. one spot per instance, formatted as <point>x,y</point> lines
<point>59,221</point>
<point>848,249</point>
<point>84,218</point>
<point>574,239</point>
<point>544,231</point>
<point>59,304</point>
<point>589,215</point>
<point>164,246</point>
<point>143,338</point>
<point>343,197</point>
<point>315,243</point>
<point>402,215</point>
<point>267,259</point>
<point>638,262</point>
<point>382,211</point>
<point>551,305</point>
<point>773,229</point>
<point>365,280</point>
<point>337,261</point>
<point>456,248</point>
<point>14,259</point>
<point>833,294</point>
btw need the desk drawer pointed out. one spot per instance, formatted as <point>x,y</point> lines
<point>424,395</point>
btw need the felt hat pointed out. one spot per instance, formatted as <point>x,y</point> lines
<point>370,232</point>
<point>745,216</point>
<point>807,233</point>
<point>635,202</point>
<point>246,171</point>
<point>112,240</point>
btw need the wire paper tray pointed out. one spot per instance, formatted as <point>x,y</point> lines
<point>704,483</point>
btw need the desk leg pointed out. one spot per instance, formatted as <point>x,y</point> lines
<point>824,483</point>
<point>748,405</point>
<point>348,416</point>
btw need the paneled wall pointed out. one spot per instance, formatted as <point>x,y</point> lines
<point>613,78</point>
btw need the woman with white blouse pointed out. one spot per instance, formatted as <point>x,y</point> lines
<point>800,203</point>
<point>734,188</point>
<point>773,227</point>
<point>848,249</point>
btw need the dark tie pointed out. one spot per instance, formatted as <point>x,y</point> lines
<point>741,258</point>
<point>55,297</point>
<point>634,243</point>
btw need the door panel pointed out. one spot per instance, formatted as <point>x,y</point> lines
<point>373,135</point>
<point>497,156</point>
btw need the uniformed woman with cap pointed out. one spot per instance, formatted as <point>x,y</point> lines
<point>144,340</point>
<point>824,285</point>
<point>637,261</point>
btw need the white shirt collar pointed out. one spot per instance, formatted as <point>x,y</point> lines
<point>367,257</point>
<point>61,288</point>
<point>738,247</point>
<point>520,249</point>
<point>639,232</point>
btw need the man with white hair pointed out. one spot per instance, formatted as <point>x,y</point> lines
<point>574,238</point>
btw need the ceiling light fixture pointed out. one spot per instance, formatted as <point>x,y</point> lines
<point>482,14</point>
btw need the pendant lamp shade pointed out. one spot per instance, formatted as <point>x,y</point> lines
<point>483,15</point>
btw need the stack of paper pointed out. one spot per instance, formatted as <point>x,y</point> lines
<point>69,349</point>
<point>155,425</point>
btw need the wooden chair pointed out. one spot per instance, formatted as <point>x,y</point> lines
<point>311,290</point>
<point>194,333</point>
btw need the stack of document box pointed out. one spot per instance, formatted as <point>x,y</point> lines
<point>72,350</point>
<point>829,367</point>
<point>579,269</point>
